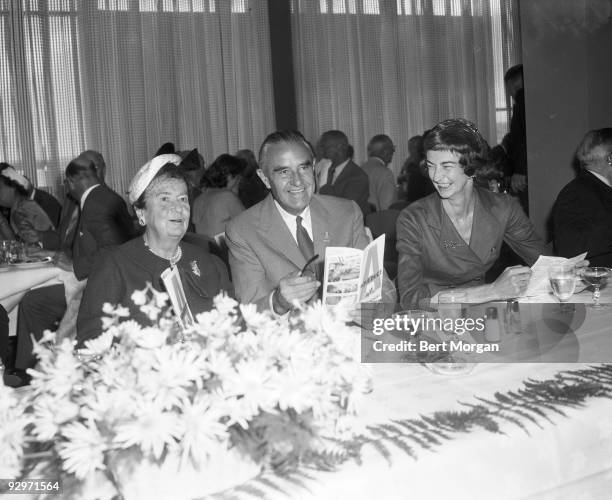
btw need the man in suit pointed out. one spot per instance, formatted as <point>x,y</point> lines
<point>341,176</point>
<point>515,141</point>
<point>103,222</point>
<point>271,242</point>
<point>381,181</point>
<point>70,208</point>
<point>582,213</point>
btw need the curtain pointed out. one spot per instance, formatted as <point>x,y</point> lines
<point>124,76</point>
<point>398,67</point>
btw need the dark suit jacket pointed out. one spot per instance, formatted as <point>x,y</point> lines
<point>50,205</point>
<point>582,220</point>
<point>104,223</point>
<point>67,233</point>
<point>433,256</point>
<point>352,184</point>
<point>262,249</point>
<point>518,137</point>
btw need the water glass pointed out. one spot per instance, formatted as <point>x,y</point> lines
<point>5,251</point>
<point>562,281</point>
<point>451,304</point>
<point>17,252</point>
<point>597,277</point>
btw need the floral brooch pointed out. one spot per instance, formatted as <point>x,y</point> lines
<point>194,268</point>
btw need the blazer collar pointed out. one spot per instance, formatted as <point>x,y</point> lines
<point>346,171</point>
<point>484,225</point>
<point>594,181</point>
<point>320,222</point>
<point>273,228</point>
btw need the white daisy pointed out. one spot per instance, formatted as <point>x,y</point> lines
<point>83,450</point>
<point>151,430</point>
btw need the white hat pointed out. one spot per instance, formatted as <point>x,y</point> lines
<point>12,174</point>
<point>147,173</point>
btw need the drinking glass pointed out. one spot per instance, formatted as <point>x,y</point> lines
<point>598,277</point>
<point>17,252</point>
<point>5,251</point>
<point>451,306</point>
<point>562,281</point>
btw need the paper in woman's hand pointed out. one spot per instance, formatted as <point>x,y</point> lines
<point>539,285</point>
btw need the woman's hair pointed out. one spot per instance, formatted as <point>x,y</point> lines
<point>459,136</point>
<point>215,176</point>
<point>22,190</point>
<point>168,171</point>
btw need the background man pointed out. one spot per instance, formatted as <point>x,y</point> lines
<point>515,141</point>
<point>271,242</point>
<point>342,177</point>
<point>381,181</point>
<point>582,214</point>
<point>102,223</point>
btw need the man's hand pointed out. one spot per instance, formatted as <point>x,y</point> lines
<point>518,182</point>
<point>294,287</point>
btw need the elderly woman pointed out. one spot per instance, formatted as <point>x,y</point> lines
<point>158,193</point>
<point>219,201</point>
<point>28,221</point>
<point>450,238</point>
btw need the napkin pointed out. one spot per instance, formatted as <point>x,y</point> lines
<point>538,283</point>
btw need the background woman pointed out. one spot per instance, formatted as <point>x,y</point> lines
<point>453,236</point>
<point>159,194</point>
<point>28,221</point>
<point>219,201</point>
<point>251,190</point>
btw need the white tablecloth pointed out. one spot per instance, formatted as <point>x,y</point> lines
<point>15,282</point>
<point>567,457</point>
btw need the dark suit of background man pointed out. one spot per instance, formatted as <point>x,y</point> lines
<point>342,178</point>
<point>270,242</point>
<point>103,223</point>
<point>582,214</point>
<point>515,141</point>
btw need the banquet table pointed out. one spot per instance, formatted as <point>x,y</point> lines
<point>15,281</point>
<point>558,456</point>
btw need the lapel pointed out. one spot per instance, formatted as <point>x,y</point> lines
<point>603,190</point>
<point>275,232</point>
<point>346,172</point>
<point>484,228</point>
<point>86,206</point>
<point>320,218</point>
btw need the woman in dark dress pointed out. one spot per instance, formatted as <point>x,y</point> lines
<point>159,194</point>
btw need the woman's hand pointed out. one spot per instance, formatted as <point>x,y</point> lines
<point>581,265</point>
<point>512,282</point>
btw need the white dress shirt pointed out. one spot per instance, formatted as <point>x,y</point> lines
<point>290,220</point>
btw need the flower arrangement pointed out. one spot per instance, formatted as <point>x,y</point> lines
<point>272,391</point>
